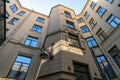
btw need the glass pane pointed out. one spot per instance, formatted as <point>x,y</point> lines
<point>113,24</point>
<point>23,59</point>
<point>33,44</point>
<point>117,20</point>
<point>111,18</point>
<point>27,42</point>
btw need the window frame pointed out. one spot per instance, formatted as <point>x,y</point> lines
<point>11,21</point>
<point>84,29</point>
<point>69,24</point>
<point>67,14</point>
<point>86,15</point>
<point>31,40</point>
<point>37,26</point>
<point>40,20</point>
<point>21,12</point>
<point>92,22</point>
<point>80,20</point>
<point>12,9</point>
<point>100,12</point>
<point>92,42</point>
<point>16,77</point>
<point>93,4</point>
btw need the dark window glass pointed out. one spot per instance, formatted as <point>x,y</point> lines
<point>86,15</point>
<point>13,8</point>
<point>110,1</point>
<point>101,11</point>
<point>114,21</point>
<point>93,4</point>
<point>101,34</point>
<point>7,15</point>
<point>37,28</point>
<point>84,29</point>
<point>31,41</point>
<point>67,14</point>
<point>21,13</point>
<point>92,22</point>
<point>13,21</point>
<point>20,68</point>
<point>73,40</point>
<point>41,20</point>
<point>105,66</point>
<point>91,42</point>
<point>70,24</point>
<point>80,20</point>
<point>81,71</point>
<point>115,54</point>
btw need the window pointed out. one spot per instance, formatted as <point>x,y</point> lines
<point>20,68</point>
<point>13,21</point>
<point>41,20</point>
<point>73,40</point>
<point>113,20</point>
<point>70,24</point>
<point>7,15</point>
<point>81,71</point>
<point>101,11</point>
<point>37,28</point>
<point>67,14</point>
<point>80,20</point>
<point>84,29</point>
<point>31,41</point>
<point>13,8</point>
<point>110,1</point>
<point>101,34</point>
<point>21,13</point>
<point>115,54</point>
<point>91,42</point>
<point>86,15</point>
<point>93,4</point>
<point>92,22</point>
<point>105,66</point>
<point>7,29</point>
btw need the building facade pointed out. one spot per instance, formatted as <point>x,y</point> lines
<point>80,47</point>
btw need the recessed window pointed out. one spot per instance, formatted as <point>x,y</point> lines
<point>67,14</point>
<point>80,20</point>
<point>81,71</point>
<point>101,11</point>
<point>73,40</point>
<point>93,4</point>
<point>31,41</point>
<point>13,21</point>
<point>91,42</point>
<point>115,54</point>
<point>110,1</point>
<point>20,68</point>
<point>114,21</point>
<point>106,67</point>
<point>86,15</point>
<point>84,29</point>
<point>92,22</point>
<point>41,20</point>
<point>37,28</point>
<point>13,8</point>
<point>21,13</point>
<point>101,34</point>
<point>70,24</point>
<point>7,15</point>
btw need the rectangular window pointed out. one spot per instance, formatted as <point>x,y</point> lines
<point>80,20</point>
<point>73,40</point>
<point>92,22</point>
<point>110,1</point>
<point>37,28</point>
<point>21,13</point>
<point>81,71</point>
<point>115,54</point>
<point>70,24</point>
<point>20,68</point>
<point>86,15</point>
<point>13,21</point>
<point>91,42</point>
<point>93,4</point>
<point>84,29</point>
<point>101,34</point>
<point>41,20</point>
<point>31,41</point>
<point>114,21</point>
<point>13,8</point>
<point>101,11</point>
<point>106,67</point>
<point>67,14</point>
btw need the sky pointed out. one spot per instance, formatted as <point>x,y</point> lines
<point>44,6</point>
